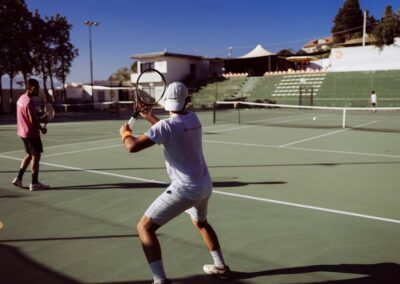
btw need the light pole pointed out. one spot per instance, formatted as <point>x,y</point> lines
<point>91,24</point>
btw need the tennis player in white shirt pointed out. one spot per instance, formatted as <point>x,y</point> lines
<point>181,138</point>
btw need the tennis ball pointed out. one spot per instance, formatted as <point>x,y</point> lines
<point>314,118</point>
<point>1,225</point>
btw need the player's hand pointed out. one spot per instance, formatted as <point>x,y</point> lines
<point>124,127</point>
<point>43,130</point>
<point>146,112</point>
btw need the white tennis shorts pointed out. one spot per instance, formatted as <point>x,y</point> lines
<point>170,204</point>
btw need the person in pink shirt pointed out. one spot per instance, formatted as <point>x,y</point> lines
<point>28,129</point>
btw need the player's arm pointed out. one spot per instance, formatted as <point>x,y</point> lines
<point>134,144</point>
<point>35,119</point>
<point>147,113</point>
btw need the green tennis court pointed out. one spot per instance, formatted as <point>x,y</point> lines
<point>290,205</point>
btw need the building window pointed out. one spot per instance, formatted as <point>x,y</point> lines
<point>101,96</point>
<point>147,65</point>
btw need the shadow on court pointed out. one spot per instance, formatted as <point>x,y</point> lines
<point>144,185</point>
<point>216,166</point>
<point>72,238</point>
<point>371,273</point>
<point>19,268</point>
<point>387,273</point>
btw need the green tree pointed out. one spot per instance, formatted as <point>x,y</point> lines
<point>39,34</point>
<point>59,50</point>
<point>15,19</point>
<point>32,45</point>
<point>3,47</point>
<point>348,21</point>
<point>122,74</point>
<point>387,28</point>
<point>285,52</point>
<point>371,22</point>
<point>64,51</point>
<point>134,67</point>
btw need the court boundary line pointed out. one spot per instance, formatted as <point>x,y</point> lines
<point>94,141</point>
<point>303,149</point>
<point>326,134</point>
<point>316,208</point>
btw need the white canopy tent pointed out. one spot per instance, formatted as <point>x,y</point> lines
<point>258,51</point>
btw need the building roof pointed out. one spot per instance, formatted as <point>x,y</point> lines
<point>301,58</point>
<point>319,42</point>
<point>258,51</point>
<point>164,54</point>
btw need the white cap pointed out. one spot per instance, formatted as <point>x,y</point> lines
<point>175,96</point>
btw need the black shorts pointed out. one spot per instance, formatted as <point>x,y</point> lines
<point>33,146</point>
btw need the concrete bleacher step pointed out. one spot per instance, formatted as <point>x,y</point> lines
<point>290,85</point>
<point>249,85</point>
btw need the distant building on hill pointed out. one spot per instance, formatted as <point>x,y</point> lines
<point>318,45</point>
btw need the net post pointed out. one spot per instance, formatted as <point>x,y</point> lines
<point>312,96</point>
<point>344,118</point>
<point>214,112</point>
<point>238,108</point>
<point>300,95</point>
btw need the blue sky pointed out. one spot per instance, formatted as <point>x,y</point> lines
<point>201,27</point>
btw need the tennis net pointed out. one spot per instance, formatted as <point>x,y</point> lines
<point>374,119</point>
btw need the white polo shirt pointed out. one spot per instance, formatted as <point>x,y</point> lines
<point>181,138</point>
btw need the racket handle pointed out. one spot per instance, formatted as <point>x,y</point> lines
<point>131,122</point>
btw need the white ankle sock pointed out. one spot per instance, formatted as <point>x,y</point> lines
<point>157,268</point>
<point>218,258</point>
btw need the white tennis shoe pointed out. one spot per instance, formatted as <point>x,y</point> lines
<point>38,186</point>
<point>222,272</point>
<point>165,281</point>
<point>17,182</point>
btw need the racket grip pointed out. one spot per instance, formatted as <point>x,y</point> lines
<point>131,122</point>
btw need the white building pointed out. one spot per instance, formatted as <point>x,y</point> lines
<point>178,67</point>
<point>365,58</point>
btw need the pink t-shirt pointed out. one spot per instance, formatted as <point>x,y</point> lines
<point>25,108</point>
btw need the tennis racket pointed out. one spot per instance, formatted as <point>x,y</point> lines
<point>150,89</point>
<point>49,112</point>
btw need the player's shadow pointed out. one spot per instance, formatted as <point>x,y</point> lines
<point>368,273</point>
<point>146,185</point>
<point>388,273</point>
<point>34,272</point>
<point>17,268</point>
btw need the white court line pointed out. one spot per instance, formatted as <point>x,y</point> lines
<point>302,149</point>
<point>227,193</point>
<point>292,118</point>
<point>65,145</point>
<point>88,142</point>
<point>326,134</point>
<point>309,207</point>
<point>89,171</point>
<point>234,128</point>
<point>314,137</point>
<point>82,150</point>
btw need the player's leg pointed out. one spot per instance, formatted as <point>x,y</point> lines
<point>166,207</point>
<point>198,215</point>
<point>148,238</point>
<point>24,165</point>
<point>36,151</point>
<point>151,248</point>
<point>208,234</point>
